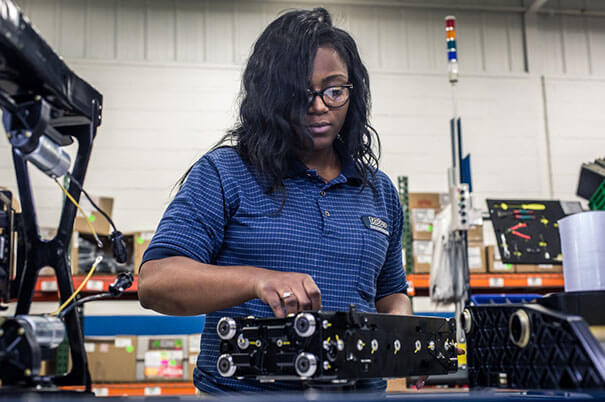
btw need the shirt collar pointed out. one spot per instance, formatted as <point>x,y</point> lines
<point>297,168</point>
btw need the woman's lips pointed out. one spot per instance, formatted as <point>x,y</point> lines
<point>320,128</point>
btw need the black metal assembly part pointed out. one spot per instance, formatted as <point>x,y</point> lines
<point>336,346</point>
<point>539,345</point>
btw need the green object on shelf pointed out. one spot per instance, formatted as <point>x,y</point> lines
<point>406,235</point>
<point>63,357</point>
<point>597,201</point>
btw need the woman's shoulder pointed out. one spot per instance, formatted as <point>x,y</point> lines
<point>385,187</point>
<point>223,154</point>
<point>383,182</point>
<point>224,159</point>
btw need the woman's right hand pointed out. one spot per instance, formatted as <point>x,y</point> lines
<point>287,292</point>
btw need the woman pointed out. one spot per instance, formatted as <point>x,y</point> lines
<point>295,214</point>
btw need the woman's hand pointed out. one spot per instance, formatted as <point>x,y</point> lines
<point>287,292</point>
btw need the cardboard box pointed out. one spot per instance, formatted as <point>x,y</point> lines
<point>194,351</point>
<point>539,268</point>
<point>84,249</point>
<point>194,341</point>
<point>191,365</point>
<point>162,358</point>
<point>424,200</point>
<point>396,385</point>
<point>494,262</point>
<point>475,234</point>
<point>164,365</point>
<point>98,221</point>
<point>423,255</point>
<point>423,208</point>
<point>476,258</point>
<point>139,245</point>
<point>111,359</point>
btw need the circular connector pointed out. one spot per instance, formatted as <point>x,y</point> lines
<point>242,342</point>
<point>466,321</point>
<point>225,366</point>
<point>226,328</point>
<point>305,365</point>
<point>519,328</point>
<point>304,325</point>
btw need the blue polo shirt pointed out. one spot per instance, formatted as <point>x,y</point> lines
<point>347,239</point>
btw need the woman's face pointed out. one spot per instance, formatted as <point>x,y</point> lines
<point>324,123</point>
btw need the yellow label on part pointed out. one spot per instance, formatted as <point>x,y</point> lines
<point>462,358</point>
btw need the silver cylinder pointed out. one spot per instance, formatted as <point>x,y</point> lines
<point>48,331</point>
<point>225,365</point>
<point>226,328</point>
<point>50,158</point>
<point>304,325</point>
<point>305,365</point>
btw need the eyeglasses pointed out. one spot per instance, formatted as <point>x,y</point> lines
<point>333,97</point>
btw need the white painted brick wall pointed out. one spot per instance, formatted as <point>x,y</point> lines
<point>170,75</point>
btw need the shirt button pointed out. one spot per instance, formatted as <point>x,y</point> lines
<point>326,213</point>
<point>323,193</point>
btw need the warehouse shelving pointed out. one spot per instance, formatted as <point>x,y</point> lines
<point>419,283</point>
<point>47,286</point>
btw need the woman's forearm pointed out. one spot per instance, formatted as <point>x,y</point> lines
<point>397,303</point>
<point>182,286</point>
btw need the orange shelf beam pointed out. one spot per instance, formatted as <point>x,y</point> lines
<point>496,281</point>
<point>141,389</point>
<point>96,284</point>
<point>47,285</point>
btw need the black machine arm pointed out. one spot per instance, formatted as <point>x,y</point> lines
<point>45,106</point>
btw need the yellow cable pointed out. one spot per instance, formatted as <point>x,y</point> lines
<point>92,269</point>
<point>92,229</point>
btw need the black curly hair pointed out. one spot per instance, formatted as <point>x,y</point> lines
<point>274,102</point>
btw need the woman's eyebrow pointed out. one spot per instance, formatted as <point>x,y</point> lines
<point>334,77</point>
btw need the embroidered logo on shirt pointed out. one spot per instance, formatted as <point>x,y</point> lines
<point>376,224</point>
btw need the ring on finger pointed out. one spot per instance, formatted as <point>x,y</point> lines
<point>285,295</point>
